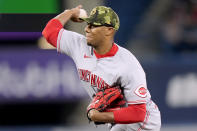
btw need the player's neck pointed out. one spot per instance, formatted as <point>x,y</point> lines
<point>104,48</point>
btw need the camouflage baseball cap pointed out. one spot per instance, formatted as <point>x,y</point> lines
<point>103,16</point>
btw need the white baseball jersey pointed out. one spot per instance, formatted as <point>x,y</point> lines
<point>117,67</point>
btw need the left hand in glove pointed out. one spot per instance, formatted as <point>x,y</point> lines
<point>103,99</point>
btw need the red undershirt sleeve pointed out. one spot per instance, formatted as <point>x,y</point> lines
<point>51,31</point>
<point>132,114</point>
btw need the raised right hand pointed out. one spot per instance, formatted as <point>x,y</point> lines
<point>75,14</point>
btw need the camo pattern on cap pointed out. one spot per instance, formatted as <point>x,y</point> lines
<point>102,15</point>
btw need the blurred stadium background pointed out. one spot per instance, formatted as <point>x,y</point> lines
<point>39,88</point>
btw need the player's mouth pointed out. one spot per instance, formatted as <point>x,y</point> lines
<point>88,37</point>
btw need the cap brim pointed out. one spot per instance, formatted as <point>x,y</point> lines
<point>88,20</point>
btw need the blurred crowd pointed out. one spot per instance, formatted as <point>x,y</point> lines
<point>179,27</point>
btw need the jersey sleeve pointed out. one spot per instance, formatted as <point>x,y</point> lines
<point>70,43</point>
<point>123,115</point>
<point>51,31</point>
<point>134,84</point>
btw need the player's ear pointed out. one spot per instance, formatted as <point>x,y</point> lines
<point>110,31</point>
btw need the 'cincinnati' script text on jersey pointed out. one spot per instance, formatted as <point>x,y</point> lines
<point>94,80</point>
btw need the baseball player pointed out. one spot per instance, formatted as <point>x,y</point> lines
<point>101,63</point>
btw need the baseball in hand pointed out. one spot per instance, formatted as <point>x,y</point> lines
<point>82,13</point>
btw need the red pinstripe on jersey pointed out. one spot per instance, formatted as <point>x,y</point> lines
<point>136,102</point>
<point>58,42</point>
<point>145,122</point>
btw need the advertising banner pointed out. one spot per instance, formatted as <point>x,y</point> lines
<point>37,75</point>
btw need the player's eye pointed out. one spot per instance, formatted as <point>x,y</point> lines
<point>92,26</point>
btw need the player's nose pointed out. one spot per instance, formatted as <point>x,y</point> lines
<point>87,29</point>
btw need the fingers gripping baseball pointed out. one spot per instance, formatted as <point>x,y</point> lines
<point>78,13</point>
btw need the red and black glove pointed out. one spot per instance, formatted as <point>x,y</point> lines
<point>104,98</point>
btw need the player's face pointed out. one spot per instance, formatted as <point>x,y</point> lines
<point>94,34</point>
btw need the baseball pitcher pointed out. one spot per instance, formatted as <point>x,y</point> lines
<point>111,75</point>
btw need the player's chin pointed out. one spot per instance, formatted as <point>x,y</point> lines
<point>89,44</point>
<point>89,41</point>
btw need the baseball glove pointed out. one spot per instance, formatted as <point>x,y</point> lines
<point>104,98</point>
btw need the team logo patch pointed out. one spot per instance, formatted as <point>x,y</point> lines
<point>141,91</point>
